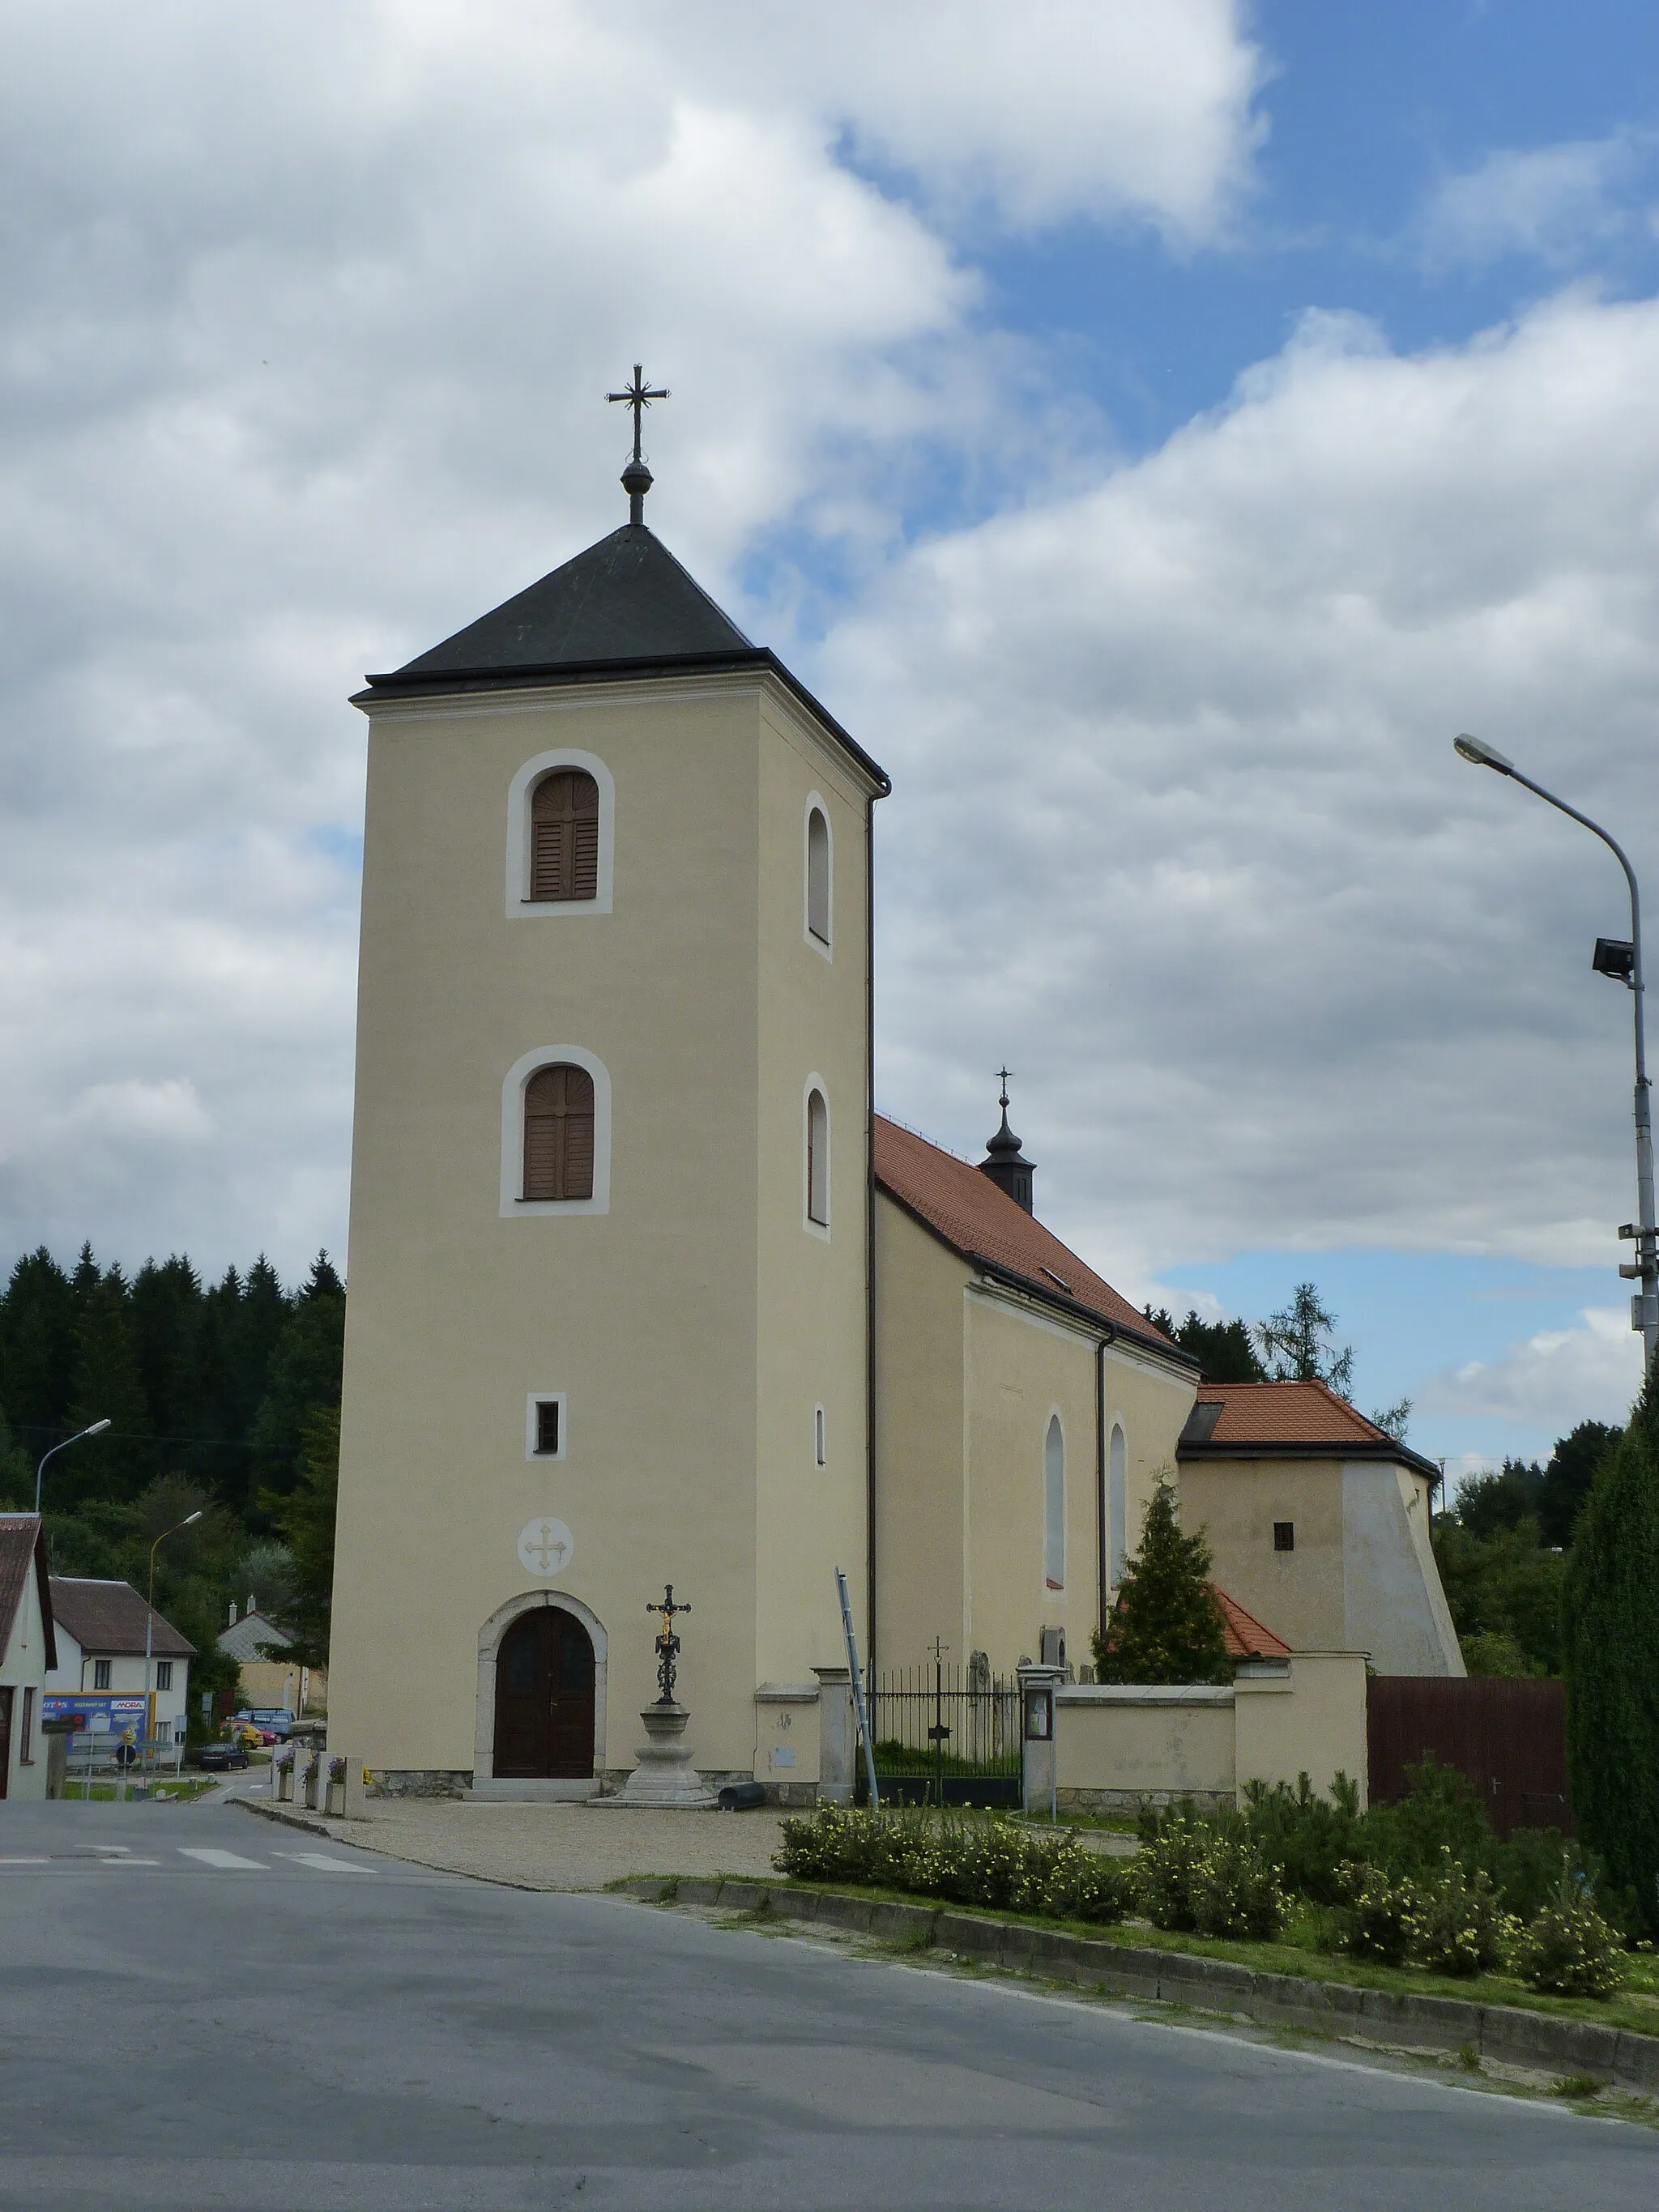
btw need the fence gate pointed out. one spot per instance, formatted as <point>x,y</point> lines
<point>1508,1737</point>
<point>945,1735</point>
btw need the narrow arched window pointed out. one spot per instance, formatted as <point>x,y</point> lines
<point>564,836</point>
<point>1053,1505</point>
<point>817,1160</point>
<point>817,874</point>
<point>558,1133</point>
<point>1117,1507</point>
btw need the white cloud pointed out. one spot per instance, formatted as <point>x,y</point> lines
<point>1552,1382</point>
<point>1552,203</point>
<point>1179,831</point>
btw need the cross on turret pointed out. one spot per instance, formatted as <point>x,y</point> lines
<point>636,478</point>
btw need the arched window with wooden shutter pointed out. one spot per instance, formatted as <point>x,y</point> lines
<point>558,1133</point>
<point>564,836</point>
<point>818,1159</point>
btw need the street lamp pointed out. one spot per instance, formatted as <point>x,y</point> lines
<point>150,1620</point>
<point>1623,962</point>
<point>96,1430</point>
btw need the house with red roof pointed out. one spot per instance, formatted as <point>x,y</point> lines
<point>1318,1521</point>
<point>27,1653</point>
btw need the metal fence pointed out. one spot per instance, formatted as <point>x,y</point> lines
<point>945,1735</point>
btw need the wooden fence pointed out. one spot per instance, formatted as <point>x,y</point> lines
<point>1508,1737</point>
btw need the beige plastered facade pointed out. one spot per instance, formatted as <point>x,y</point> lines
<point>968,1374</point>
<point>696,1321</point>
<point>1361,1576</point>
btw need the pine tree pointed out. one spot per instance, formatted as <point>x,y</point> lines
<point>1166,1625</point>
<point>1298,1343</point>
<point>1611,1622</point>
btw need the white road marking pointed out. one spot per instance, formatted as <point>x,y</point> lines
<point>321,1860</point>
<point>222,1858</point>
<point>25,1862</point>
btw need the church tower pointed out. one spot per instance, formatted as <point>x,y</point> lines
<point>610,1189</point>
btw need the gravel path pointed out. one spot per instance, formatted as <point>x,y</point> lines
<point>555,1846</point>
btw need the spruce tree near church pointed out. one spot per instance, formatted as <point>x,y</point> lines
<point>1166,1625</point>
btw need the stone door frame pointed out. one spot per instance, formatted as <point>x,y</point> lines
<point>485,1783</point>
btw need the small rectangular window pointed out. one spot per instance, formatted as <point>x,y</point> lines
<point>100,1673</point>
<point>1284,1536</point>
<point>818,1457</point>
<point>164,1674</point>
<point>26,1745</point>
<point>546,1434</point>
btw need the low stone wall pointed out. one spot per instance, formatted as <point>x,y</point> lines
<point>419,1781</point>
<point>1118,1746</point>
<point>1507,2034</point>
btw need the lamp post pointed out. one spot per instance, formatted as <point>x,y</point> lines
<point>1623,962</point>
<point>150,1620</point>
<point>96,1430</point>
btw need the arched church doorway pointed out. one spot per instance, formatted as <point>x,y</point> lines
<point>544,1680</point>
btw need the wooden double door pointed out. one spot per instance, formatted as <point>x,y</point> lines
<point>545,1697</point>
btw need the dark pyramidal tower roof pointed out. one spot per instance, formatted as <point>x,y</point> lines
<point>626,599</point>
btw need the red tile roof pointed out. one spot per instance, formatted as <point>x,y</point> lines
<point>1284,1413</point>
<point>1246,1637</point>
<point>108,1617</point>
<point>981,1222</point>
<point>23,1549</point>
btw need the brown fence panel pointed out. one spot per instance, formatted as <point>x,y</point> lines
<point>1508,1737</point>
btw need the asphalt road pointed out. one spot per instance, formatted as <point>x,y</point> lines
<point>227,2013</point>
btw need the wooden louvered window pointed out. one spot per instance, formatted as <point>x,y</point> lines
<point>564,836</point>
<point>558,1133</point>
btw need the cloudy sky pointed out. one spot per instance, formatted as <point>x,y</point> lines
<point>1154,430</point>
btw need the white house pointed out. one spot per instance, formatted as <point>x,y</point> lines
<point>27,1653</point>
<point>100,1650</point>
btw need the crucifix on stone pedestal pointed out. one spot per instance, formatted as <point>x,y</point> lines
<point>664,1776</point>
<point>668,1644</point>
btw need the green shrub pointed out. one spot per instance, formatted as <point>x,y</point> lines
<point>1173,1849</point>
<point>960,1858</point>
<point>1440,1813</point>
<point>1233,1890</point>
<point>1455,1922</point>
<point>1372,1919</point>
<point>1309,1838</point>
<point>1570,1950</point>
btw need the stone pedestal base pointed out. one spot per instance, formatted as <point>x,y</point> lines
<point>665,1777</point>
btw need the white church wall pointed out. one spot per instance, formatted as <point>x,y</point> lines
<point>648,1313</point>
<point>810,1320</point>
<point>921,1520</point>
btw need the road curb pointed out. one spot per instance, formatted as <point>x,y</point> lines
<point>286,1818</point>
<point>1507,2034</point>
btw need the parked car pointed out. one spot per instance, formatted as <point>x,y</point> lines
<point>274,1722</point>
<point>246,1735</point>
<point>219,1758</point>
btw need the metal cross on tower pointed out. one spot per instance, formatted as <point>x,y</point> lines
<point>668,1644</point>
<point>1003,1074</point>
<point>639,396</point>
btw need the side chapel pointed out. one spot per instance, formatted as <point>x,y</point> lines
<point>643,1291</point>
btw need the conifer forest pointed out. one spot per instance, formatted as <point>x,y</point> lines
<point>222,1397</point>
